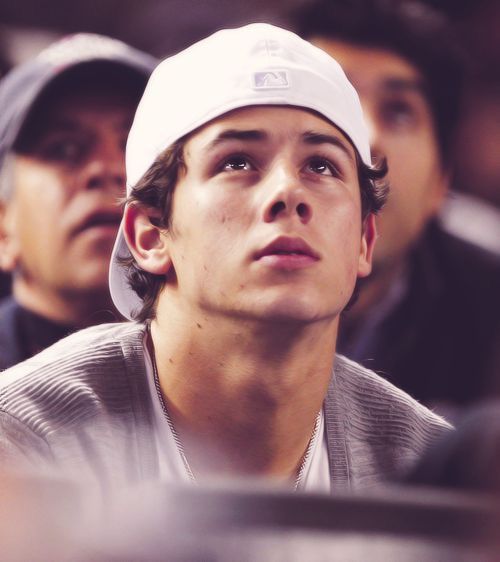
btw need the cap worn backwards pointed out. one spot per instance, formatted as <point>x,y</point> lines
<point>258,64</point>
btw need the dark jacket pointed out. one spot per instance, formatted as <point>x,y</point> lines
<point>23,333</point>
<point>441,343</point>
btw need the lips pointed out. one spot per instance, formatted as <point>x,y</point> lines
<point>99,219</point>
<point>287,250</point>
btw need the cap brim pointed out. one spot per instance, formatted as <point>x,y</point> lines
<point>124,297</point>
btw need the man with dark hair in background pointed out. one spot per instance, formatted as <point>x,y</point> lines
<point>63,127</point>
<point>428,316</point>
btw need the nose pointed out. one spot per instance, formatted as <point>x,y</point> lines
<point>105,168</point>
<point>288,198</point>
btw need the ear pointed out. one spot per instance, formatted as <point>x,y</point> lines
<point>441,187</point>
<point>147,242</point>
<point>368,237</point>
<point>9,245</point>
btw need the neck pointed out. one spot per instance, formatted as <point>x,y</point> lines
<point>243,395</point>
<point>78,309</point>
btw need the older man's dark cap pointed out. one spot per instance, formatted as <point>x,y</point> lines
<point>24,86</point>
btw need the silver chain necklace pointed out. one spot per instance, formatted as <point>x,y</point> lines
<point>180,448</point>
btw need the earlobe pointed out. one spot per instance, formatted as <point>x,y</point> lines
<point>368,238</point>
<point>9,248</point>
<point>147,242</point>
<point>440,190</point>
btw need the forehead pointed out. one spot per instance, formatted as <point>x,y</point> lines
<point>267,124</point>
<point>66,104</point>
<point>84,109</point>
<point>372,69</point>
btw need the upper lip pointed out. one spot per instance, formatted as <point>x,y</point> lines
<point>287,245</point>
<point>99,218</point>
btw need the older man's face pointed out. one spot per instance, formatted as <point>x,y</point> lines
<point>402,129</point>
<point>63,216</point>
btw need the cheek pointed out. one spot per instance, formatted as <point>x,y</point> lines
<point>41,199</point>
<point>42,191</point>
<point>208,227</point>
<point>412,159</point>
<point>215,215</point>
<point>344,235</point>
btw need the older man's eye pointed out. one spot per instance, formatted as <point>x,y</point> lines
<point>398,114</point>
<point>323,167</point>
<point>236,164</point>
<point>66,150</point>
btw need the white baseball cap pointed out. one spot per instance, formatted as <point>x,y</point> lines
<point>258,64</point>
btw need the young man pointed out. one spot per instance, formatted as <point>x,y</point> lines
<point>250,216</point>
<point>63,127</point>
<point>427,318</point>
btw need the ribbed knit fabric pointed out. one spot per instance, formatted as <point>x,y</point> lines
<point>83,407</point>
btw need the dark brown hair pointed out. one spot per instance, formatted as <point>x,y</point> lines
<point>411,29</point>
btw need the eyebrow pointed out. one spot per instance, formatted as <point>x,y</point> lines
<point>404,85</point>
<point>237,134</point>
<point>256,135</point>
<point>314,138</point>
<point>69,125</point>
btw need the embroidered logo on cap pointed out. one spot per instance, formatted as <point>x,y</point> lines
<point>270,79</point>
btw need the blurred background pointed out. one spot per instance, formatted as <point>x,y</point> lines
<point>163,27</point>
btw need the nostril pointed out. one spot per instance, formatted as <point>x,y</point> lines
<point>105,180</point>
<point>95,182</point>
<point>119,180</point>
<point>277,208</point>
<point>302,210</point>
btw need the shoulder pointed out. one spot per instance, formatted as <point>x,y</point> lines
<point>378,400</point>
<point>385,430</point>
<point>74,377</point>
<point>372,390</point>
<point>471,220</point>
<point>461,259</point>
<point>7,305</point>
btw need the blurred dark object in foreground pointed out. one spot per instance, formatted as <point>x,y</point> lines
<point>467,459</point>
<point>158,522</point>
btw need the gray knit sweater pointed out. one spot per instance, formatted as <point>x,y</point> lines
<point>83,406</point>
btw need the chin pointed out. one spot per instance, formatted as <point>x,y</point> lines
<point>94,280</point>
<point>295,310</point>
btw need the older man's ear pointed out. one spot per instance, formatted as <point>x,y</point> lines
<point>9,244</point>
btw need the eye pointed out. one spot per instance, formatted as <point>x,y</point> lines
<point>398,113</point>
<point>236,163</point>
<point>322,166</point>
<point>64,150</point>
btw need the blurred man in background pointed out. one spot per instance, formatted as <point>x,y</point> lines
<point>427,317</point>
<point>63,127</point>
<point>4,67</point>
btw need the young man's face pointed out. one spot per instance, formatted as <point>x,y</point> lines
<point>402,129</point>
<point>266,221</point>
<point>63,216</point>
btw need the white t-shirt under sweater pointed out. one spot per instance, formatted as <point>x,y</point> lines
<point>315,476</point>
